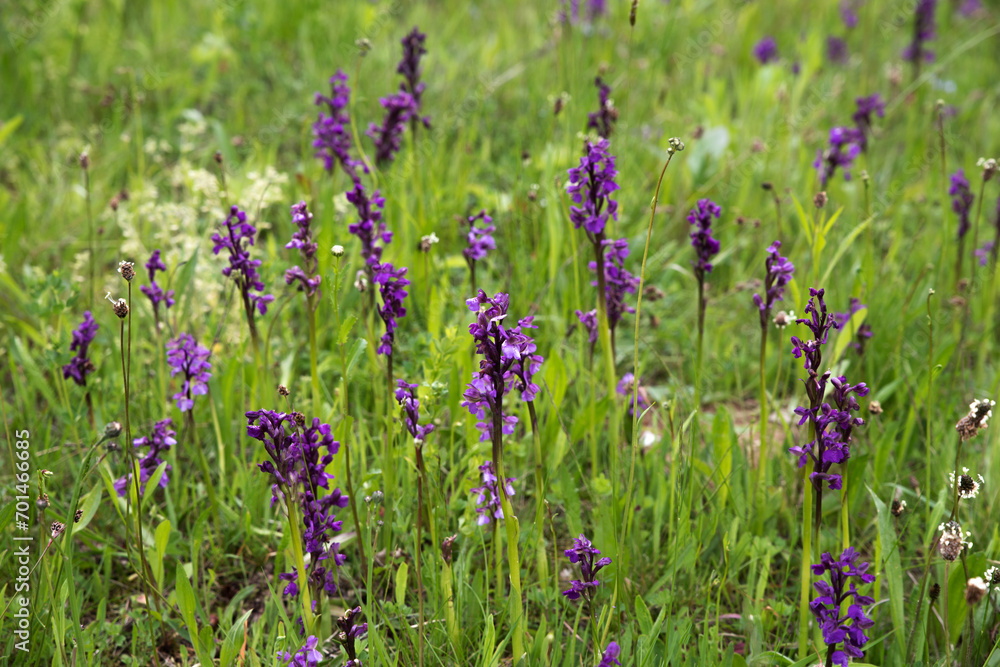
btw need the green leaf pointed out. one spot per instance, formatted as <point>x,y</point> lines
<point>848,332</point>
<point>89,504</point>
<point>153,482</point>
<point>722,438</point>
<point>401,575</point>
<point>891,563</point>
<point>844,246</point>
<point>233,641</point>
<point>356,351</point>
<point>7,128</point>
<point>643,616</point>
<point>345,329</point>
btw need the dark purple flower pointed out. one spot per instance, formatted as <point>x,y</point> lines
<point>847,628</point>
<point>509,361</point>
<point>849,12</point>
<point>845,144</point>
<point>610,656</point>
<point>399,108</point>
<point>866,106</point>
<point>190,360</point>
<point>392,284</point>
<point>627,388</point>
<point>590,186</point>
<point>303,241</point>
<point>161,439</point>
<point>583,552</point>
<point>969,8</point>
<point>836,50</point>
<point>603,120</point>
<point>332,130</point>
<point>153,290</point>
<point>594,9</point>
<point>832,427</point>
<point>369,228</point>
<point>983,253</point>
<point>299,458</point>
<point>409,67</point>
<point>406,396</point>
<point>589,321</point>
<point>704,245</point>
<point>618,282</point>
<point>488,495</point>
<point>350,631</point>
<point>80,366</point>
<point>923,31</point>
<point>307,656</point>
<point>239,236</point>
<point>480,239</point>
<point>961,200</point>
<point>766,50</point>
<point>864,331</point>
<point>779,273</point>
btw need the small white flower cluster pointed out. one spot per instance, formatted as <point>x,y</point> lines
<point>783,319</point>
<point>968,487</point>
<point>984,408</point>
<point>953,530</point>
<point>991,577</point>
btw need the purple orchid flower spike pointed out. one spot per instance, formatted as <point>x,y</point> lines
<point>159,441</point>
<point>843,629</point>
<point>190,360</point>
<point>80,366</point>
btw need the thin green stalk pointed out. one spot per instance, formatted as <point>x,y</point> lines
<point>807,530</point>
<point>517,618</point>
<point>417,552</point>
<point>84,160</point>
<point>541,559</point>
<point>296,539</point>
<point>313,356</point>
<point>930,399</point>
<point>761,496</point>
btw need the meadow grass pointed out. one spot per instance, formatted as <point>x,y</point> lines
<point>185,108</point>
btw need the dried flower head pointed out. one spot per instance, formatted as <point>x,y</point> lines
<point>56,529</point>
<point>783,319</point>
<point>43,501</point>
<point>898,507</point>
<point>953,540</point>
<point>120,307</point>
<point>84,160</point>
<point>875,407</point>
<point>989,166</point>
<point>819,201</point>
<point>361,281</point>
<point>975,590</point>
<point>282,390</point>
<point>446,548</point>
<point>674,145</point>
<point>978,418</point>
<point>934,593</point>
<point>112,430</point>
<point>992,577</point>
<point>127,270</point>
<point>77,516</point>
<point>427,241</point>
<point>968,487</point>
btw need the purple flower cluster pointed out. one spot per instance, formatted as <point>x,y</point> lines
<point>392,286</point>
<point>779,274</point>
<point>399,108</point>
<point>406,396</point>
<point>832,426</point>
<point>923,31</point>
<point>590,186</point>
<point>80,366</point>
<point>961,201</point>
<point>409,67</point>
<point>766,50</point>
<point>864,331</point>
<point>303,241</point>
<point>603,120</point>
<point>836,50</point>
<point>509,359</point>
<point>845,144</point>
<point>369,228</point>
<point>488,495</point>
<point>866,106</point>
<point>594,9</point>
<point>190,360</point>
<point>480,239</point>
<point>307,656</point>
<point>332,130</point>
<point>162,439</point>
<point>610,656</point>
<point>849,12</point>
<point>847,629</point>
<point>617,281</point>
<point>583,552</point>
<point>299,457</point>
<point>704,245</point>
<point>153,290</point>
<point>589,321</point>
<point>239,237</point>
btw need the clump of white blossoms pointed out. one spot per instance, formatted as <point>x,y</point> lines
<point>968,486</point>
